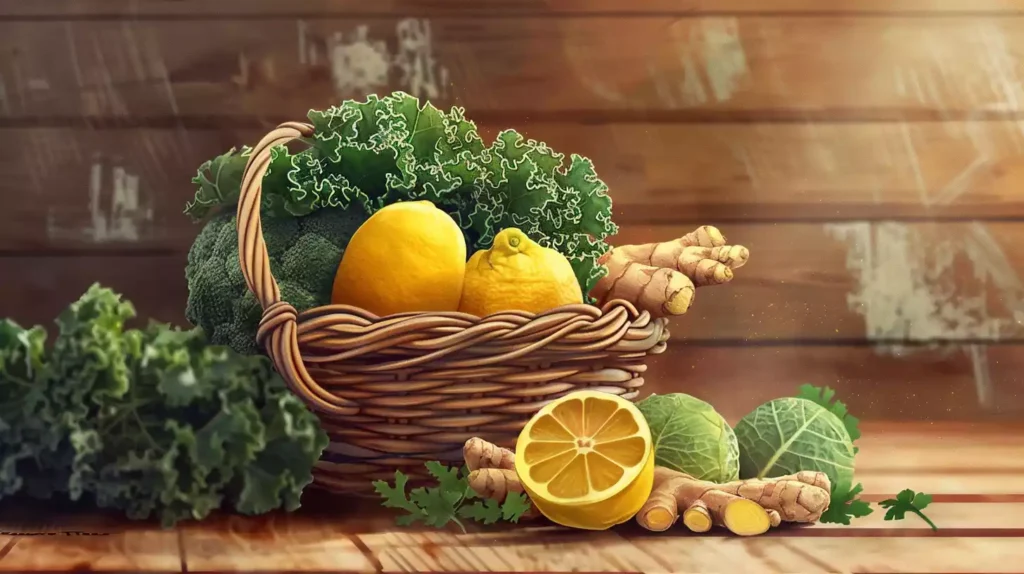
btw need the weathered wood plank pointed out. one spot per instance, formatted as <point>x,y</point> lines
<point>876,384</point>
<point>882,282</point>
<point>129,548</point>
<point>664,67</point>
<point>79,188</point>
<point>813,555</point>
<point>939,483</point>
<point>276,542</point>
<point>491,8</point>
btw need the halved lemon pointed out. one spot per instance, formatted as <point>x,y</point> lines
<point>586,460</point>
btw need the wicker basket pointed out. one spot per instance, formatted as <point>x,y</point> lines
<point>394,392</point>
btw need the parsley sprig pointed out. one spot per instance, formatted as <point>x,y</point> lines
<point>448,501</point>
<point>908,501</point>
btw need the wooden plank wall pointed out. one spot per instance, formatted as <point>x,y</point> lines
<point>869,152</point>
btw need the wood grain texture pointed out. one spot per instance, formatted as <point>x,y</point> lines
<point>664,68</point>
<point>129,548</point>
<point>876,383</point>
<point>111,189</point>
<point>491,8</point>
<point>851,282</point>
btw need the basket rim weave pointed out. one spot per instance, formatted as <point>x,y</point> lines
<point>617,323</point>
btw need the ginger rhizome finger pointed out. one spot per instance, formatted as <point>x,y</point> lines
<point>492,472</point>
<point>745,507</point>
<point>479,453</point>
<point>495,483</point>
<point>661,277</point>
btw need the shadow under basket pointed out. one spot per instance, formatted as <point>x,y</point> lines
<point>395,392</point>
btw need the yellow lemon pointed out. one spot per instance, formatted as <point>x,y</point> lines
<point>407,257</point>
<point>586,460</point>
<point>517,274</point>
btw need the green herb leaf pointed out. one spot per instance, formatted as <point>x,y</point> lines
<point>515,506</point>
<point>844,505</point>
<point>824,398</point>
<point>439,506</point>
<point>486,511</point>
<point>447,501</point>
<point>908,501</point>
<point>396,496</point>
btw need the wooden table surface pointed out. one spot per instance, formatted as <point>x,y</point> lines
<point>975,472</point>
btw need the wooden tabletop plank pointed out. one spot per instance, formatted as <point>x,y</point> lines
<point>274,542</point>
<point>715,67</point>
<point>491,8</point>
<point>664,173</point>
<point>135,549</point>
<point>812,555</point>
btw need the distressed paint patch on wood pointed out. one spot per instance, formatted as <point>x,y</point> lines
<point>363,61</point>
<point>908,286</point>
<point>118,210</point>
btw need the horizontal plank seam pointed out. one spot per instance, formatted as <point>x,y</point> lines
<point>527,117</point>
<point>505,14</point>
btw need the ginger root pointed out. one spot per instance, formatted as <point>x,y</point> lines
<point>744,507</point>
<point>661,277</point>
<point>482,454</point>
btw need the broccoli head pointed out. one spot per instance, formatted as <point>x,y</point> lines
<point>304,256</point>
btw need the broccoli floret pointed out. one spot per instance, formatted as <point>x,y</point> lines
<point>304,256</point>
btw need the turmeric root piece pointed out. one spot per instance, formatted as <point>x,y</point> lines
<point>745,507</point>
<point>482,454</point>
<point>662,277</point>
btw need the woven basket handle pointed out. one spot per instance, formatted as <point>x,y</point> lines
<point>278,331</point>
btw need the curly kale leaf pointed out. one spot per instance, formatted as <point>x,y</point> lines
<point>26,421</point>
<point>158,422</point>
<point>366,155</point>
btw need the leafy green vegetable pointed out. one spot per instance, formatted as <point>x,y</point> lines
<point>365,155</point>
<point>844,505</point>
<point>158,422</point>
<point>447,502</point>
<point>824,398</point>
<point>304,256</point>
<point>788,435</point>
<point>26,432</point>
<point>908,501</point>
<point>691,437</point>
